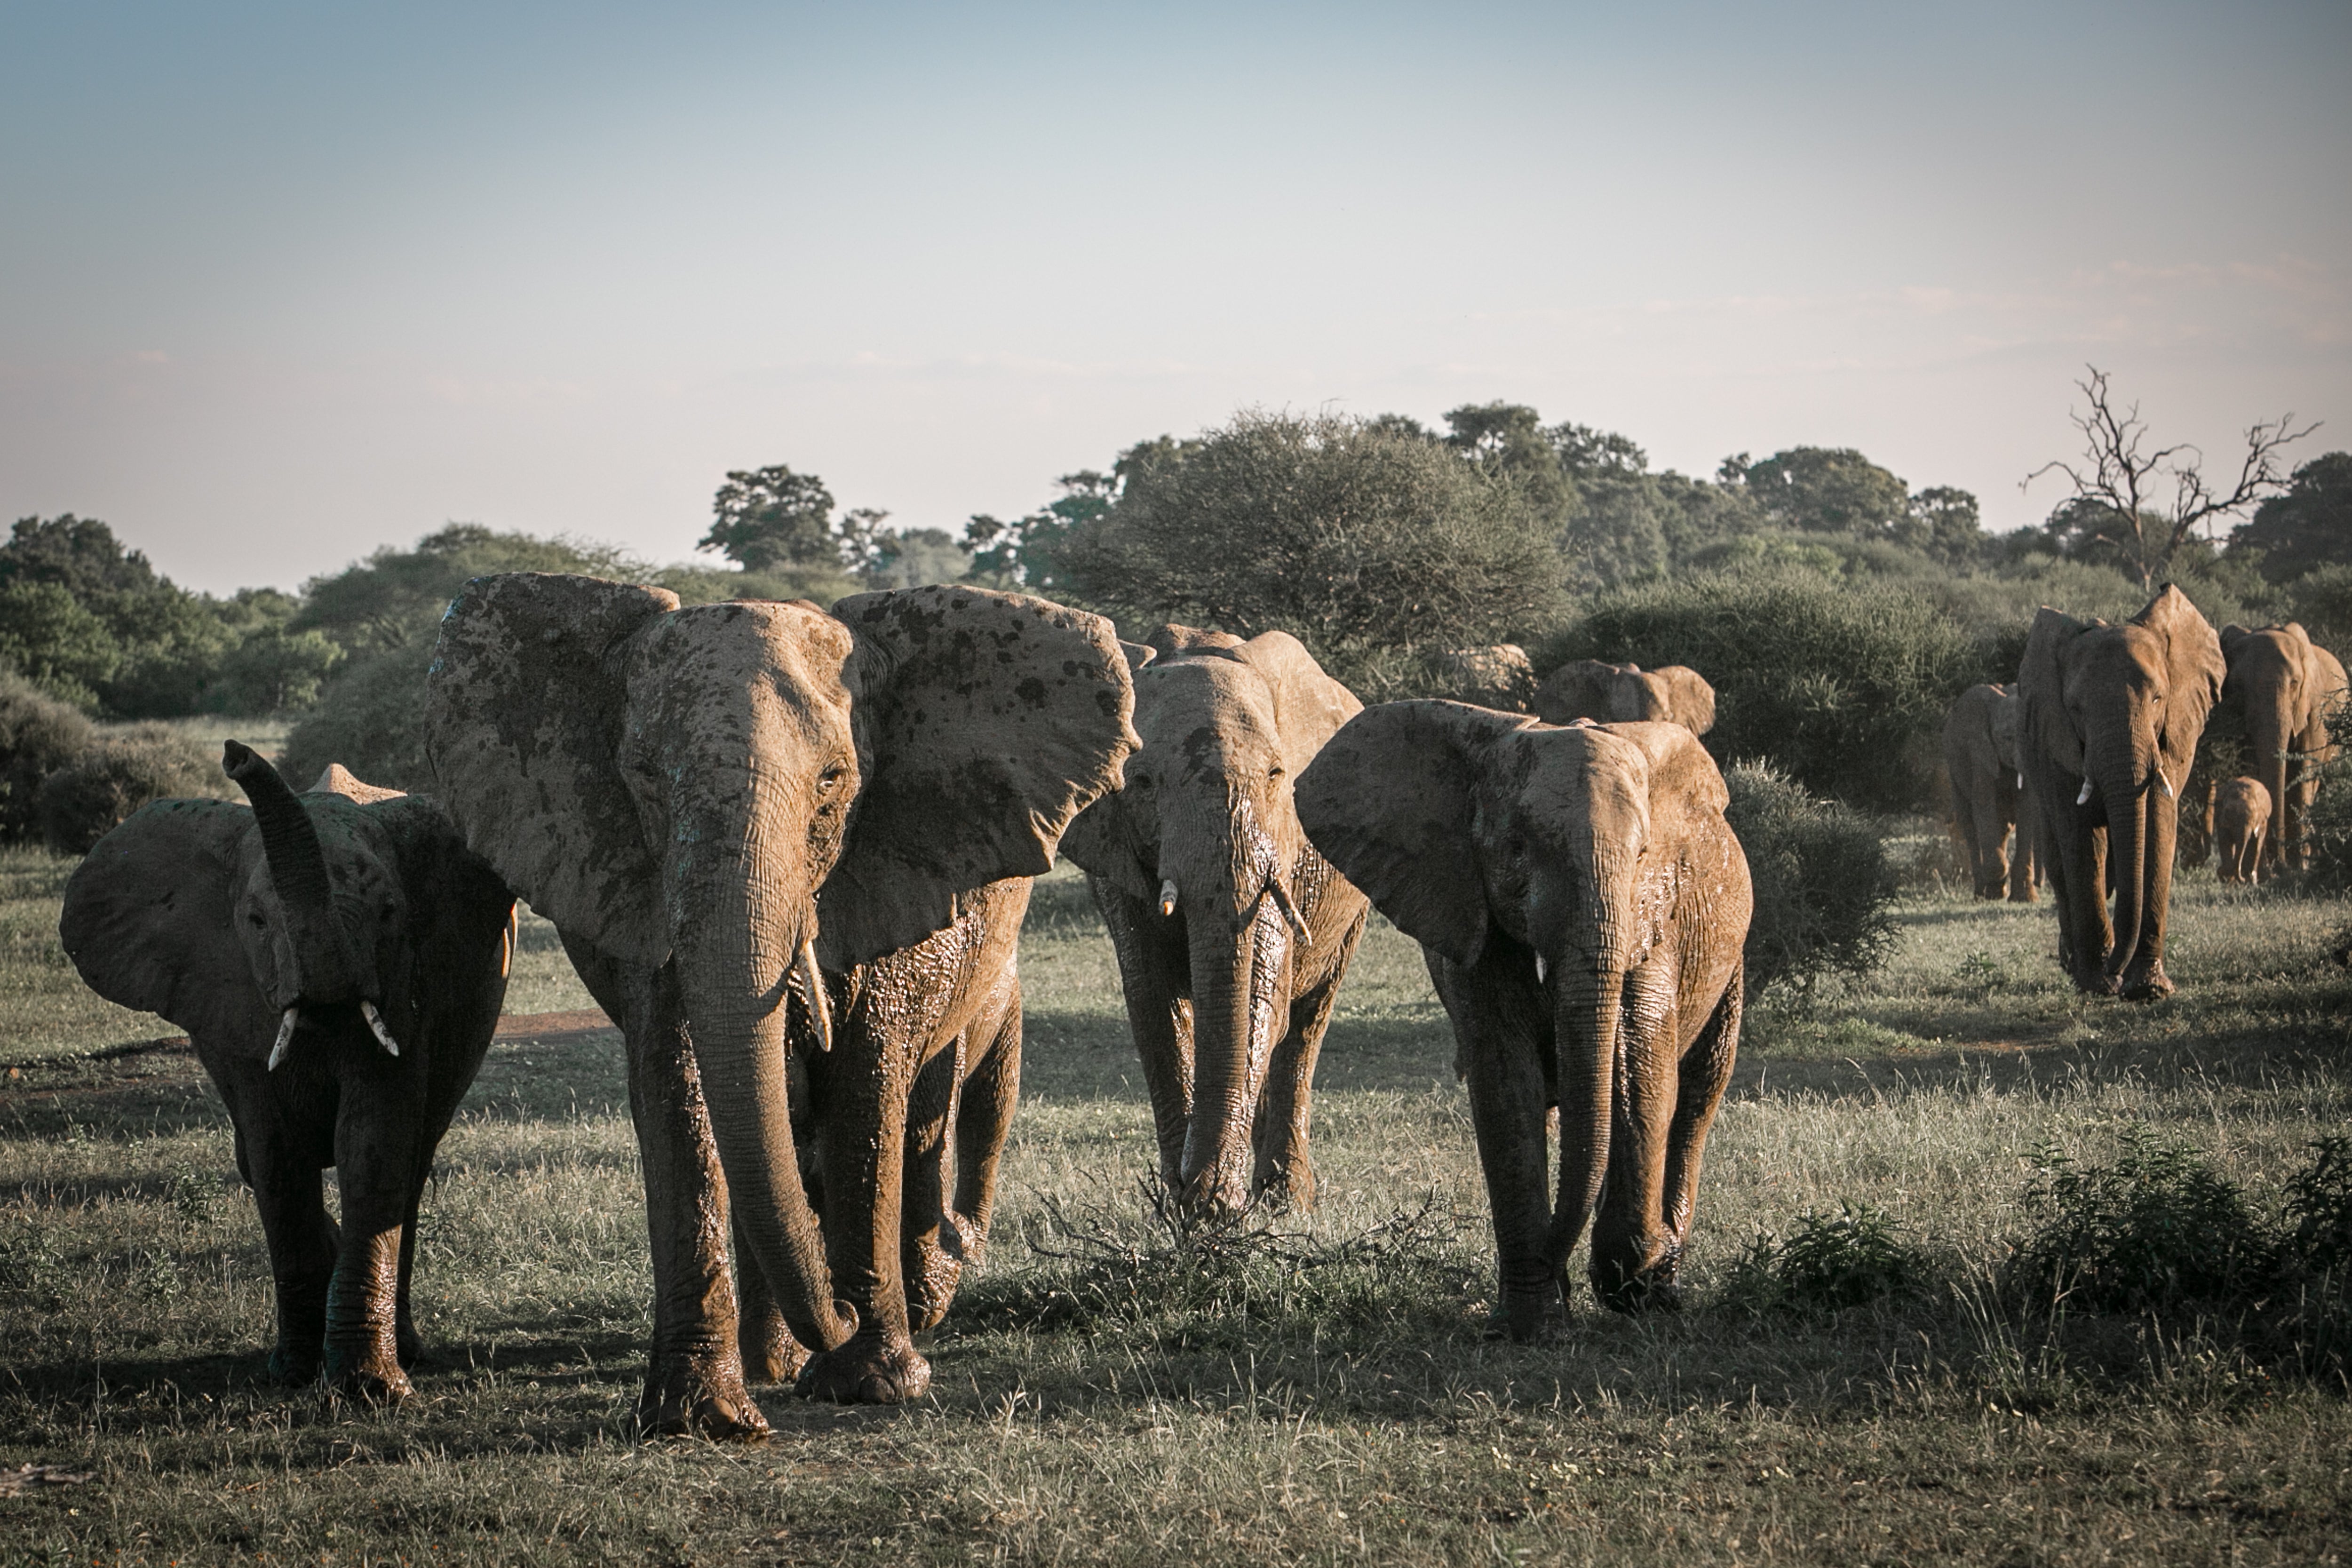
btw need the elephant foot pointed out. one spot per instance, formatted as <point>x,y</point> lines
<point>1526,1315</point>
<point>408,1345</point>
<point>768,1352</point>
<point>296,1366</point>
<point>933,1271</point>
<point>1289,1189</point>
<point>694,1395</point>
<point>867,1372</point>
<point>2150,986</point>
<point>1652,1292</point>
<point>1211,1198</point>
<point>378,1387</point>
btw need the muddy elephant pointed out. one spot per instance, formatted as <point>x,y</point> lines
<point>2242,819</point>
<point>1582,905</point>
<point>2281,688</point>
<point>1498,676</point>
<point>1626,693</point>
<point>787,852</point>
<point>1232,932</point>
<point>2111,719</point>
<point>1981,760</point>
<point>338,959</point>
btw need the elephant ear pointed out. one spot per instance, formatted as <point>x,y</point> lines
<point>1308,705</point>
<point>2234,638</point>
<point>1390,802</point>
<point>1578,691</point>
<point>337,779</point>
<point>2044,729</point>
<point>1687,789</point>
<point>1172,641</point>
<point>985,722</point>
<point>2195,673</point>
<point>523,712</point>
<point>149,919</point>
<point>1694,697</point>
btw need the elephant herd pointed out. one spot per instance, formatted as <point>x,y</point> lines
<point>789,851</point>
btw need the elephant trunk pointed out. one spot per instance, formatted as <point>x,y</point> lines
<point>1588,989</point>
<point>327,969</point>
<point>735,955</point>
<point>2273,732</point>
<point>1236,985</point>
<point>2126,768</point>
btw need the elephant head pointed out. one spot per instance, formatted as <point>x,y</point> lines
<point>1204,825</point>
<point>1559,852</point>
<point>294,915</point>
<point>750,789</point>
<point>1625,694</point>
<point>2110,720</point>
<point>2282,686</point>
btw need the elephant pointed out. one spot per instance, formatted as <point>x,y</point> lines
<point>2242,817</point>
<point>1232,932</point>
<point>338,959</point>
<point>1626,693</point>
<point>788,852</point>
<point>2282,686</point>
<point>2111,717</point>
<point>1980,760</point>
<point>1498,676</point>
<point>1582,906</point>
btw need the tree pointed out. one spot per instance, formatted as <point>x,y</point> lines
<point>916,557</point>
<point>2117,482</point>
<point>1027,551</point>
<point>766,517</point>
<point>2308,525</point>
<point>1826,489</point>
<point>52,641</point>
<point>1945,523</point>
<point>393,599</point>
<point>1363,542</point>
<point>275,670</point>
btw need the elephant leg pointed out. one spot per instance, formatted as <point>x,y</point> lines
<point>1285,1172</point>
<point>377,1177</point>
<point>1705,1073</point>
<point>2144,979</point>
<point>991,1089</point>
<point>764,1341</point>
<point>694,1376</point>
<point>1501,1041</point>
<point>406,1341</point>
<point>866,1082</point>
<point>931,1254</point>
<point>1987,832</point>
<point>2025,866</point>
<point>283,1172</point>
<point>2078,877</point>
<point>1634,1250</point>
<point>1155,975</point>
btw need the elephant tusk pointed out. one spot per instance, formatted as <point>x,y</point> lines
<point>2084,798</point>
<point>820,1005</point>
<point>1289,910</point>
<point>375,1023</point>
<point>2165,784</point>
<point>1539,969</point>
<point>1168,896</point>
<point>2021,781</point>
<point>285,1037</point>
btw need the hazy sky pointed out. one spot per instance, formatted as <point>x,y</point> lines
<point>281,284</point>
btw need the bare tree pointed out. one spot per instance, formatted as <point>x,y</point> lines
<point>2122,482</point>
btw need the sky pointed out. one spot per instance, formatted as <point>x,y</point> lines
<point>283,284</point>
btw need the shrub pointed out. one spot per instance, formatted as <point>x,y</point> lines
<point>2156,1229</point>
<point>117,775</point>
<point>371,719</point>
<point>1824,885</point>
<point>1845,1259</point>
<point>1362,540</point>
<point>38,735</point>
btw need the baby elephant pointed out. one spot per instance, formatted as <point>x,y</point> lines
<point>1584,906</point>
<point>2242,816</point>
<point>338,960</point>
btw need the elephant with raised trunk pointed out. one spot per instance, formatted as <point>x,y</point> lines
<point>1231,931</point>
<point>1980,758</point>
<point>1626,693</point>
<point>788,853</point>
<point>2282,687</point>
<point>1582,904</point>
<point>338,959</point>
<point>2110,720</point>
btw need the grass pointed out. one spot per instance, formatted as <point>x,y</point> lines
<point>1305,1389</point>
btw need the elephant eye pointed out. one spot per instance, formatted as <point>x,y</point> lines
<point>1274,771</point>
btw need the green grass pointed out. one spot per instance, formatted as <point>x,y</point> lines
<point>1310,1389</point>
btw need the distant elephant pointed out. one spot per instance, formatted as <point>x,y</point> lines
<point>785,845</point>
<point>1231,931</point>
<point>1498,676</point>
<point>2241,816</point>
<point>2112,717</point>
<point>1626,693</point>
<point>338,960</point>
<point>1582,905</point>
<point>2281,686</point>
<point>1981,760</point>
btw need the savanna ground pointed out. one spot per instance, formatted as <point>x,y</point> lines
<point>1321,1394</point>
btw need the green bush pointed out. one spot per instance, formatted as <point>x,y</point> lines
<point>38,735</point>
<point>80,803</point>
<point>1824,885</point>
<point>2156,1229</point>
<point>1854,1257</point>
<point>371,719</point>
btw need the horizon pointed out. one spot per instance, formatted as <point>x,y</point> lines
<point>559,270</point>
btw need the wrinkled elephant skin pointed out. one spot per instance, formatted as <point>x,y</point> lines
<point>787,851</point>
<point>338,960</point>
<point>2281,689</point>
<point>1232,932</point>
<point>1582,905</point>
<point>2112,715</point>
<point>1626,694</point>
<point>2242,817</point>
<point>1980,757</point>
